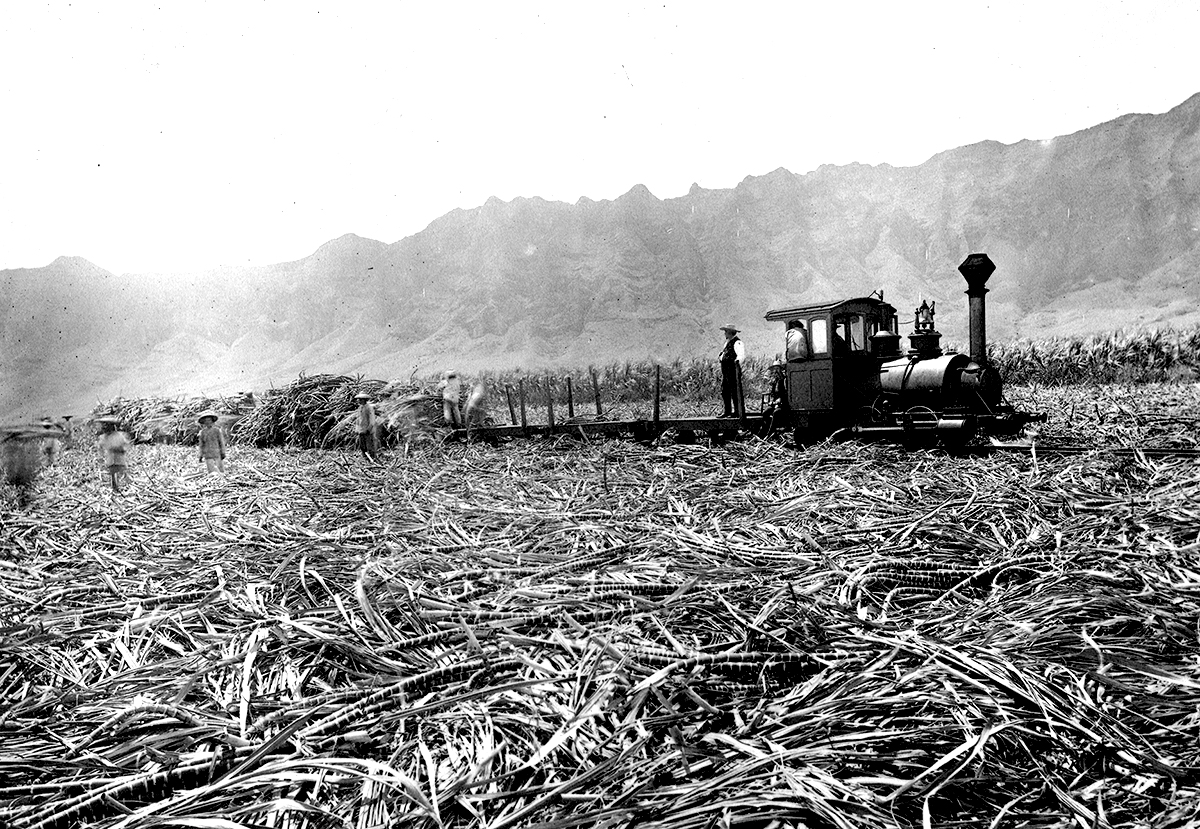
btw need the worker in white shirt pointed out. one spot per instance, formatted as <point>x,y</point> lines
<point>797,341</point>
<point>451,393</point>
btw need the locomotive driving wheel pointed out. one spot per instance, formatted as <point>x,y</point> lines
<point>875,414</point>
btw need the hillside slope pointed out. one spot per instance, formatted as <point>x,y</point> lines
<point>1092,231</point>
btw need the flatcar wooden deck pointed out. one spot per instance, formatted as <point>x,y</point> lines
<point>644,428</point>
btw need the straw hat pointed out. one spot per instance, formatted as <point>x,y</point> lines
<point>206,413</point>
<point>732,328</point>
<point>362,395</point>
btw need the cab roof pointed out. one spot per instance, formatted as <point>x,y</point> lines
<point>863,303</point>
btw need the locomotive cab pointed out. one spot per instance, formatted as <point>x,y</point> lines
<point>832,353</point>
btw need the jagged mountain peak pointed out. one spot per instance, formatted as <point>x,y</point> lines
<point>77,265</point>
<point>779,174</point>
<point>349,244</point>
<point>639,193</point>
<point>778,182</point>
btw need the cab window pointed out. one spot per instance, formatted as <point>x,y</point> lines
<point>818,332</point>
<point>849,334</point>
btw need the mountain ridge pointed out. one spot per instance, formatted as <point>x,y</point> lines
<point>1090,232</point>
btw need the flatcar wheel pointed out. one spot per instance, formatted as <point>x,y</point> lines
<point>644,433</point>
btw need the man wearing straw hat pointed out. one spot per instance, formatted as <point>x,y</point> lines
<point>731,356</point>
<point>212,442</point>
<point>113,444</point>
<point>51,445</point>
<point>365,426</point>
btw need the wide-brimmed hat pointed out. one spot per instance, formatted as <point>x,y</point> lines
<point>206,413</point>
<point>45,421</point>
<point>777,364</point>
<point>362,395</point>
<point>106,419</point>
<point>732,328</point>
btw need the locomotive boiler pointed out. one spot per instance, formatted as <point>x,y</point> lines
<point>845,370</point>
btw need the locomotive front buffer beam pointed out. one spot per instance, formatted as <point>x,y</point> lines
<point>951,428</point>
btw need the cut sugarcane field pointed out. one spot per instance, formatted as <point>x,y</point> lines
<point>635,416</point>
<point>575,632</point>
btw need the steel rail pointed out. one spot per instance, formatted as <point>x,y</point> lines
<point>1053,449</point>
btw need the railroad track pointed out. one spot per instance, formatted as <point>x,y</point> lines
<point>750,423</point>
<point>1117,451</point>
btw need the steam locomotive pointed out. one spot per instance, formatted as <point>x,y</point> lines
<point>845,370</point>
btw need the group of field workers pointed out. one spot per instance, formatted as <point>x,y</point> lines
<point>114,447</point>
<point>451,384</point>
<point>213,445</point>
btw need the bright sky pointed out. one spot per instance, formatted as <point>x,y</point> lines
<point>179,136</point>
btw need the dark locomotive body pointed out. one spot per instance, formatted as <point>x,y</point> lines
<point>845,370</point>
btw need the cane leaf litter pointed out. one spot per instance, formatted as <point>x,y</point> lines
<point>573,634</point>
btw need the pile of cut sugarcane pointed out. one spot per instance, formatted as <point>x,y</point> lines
<point>319,411</point>
<point>561,635</point>
<point>173,420</point>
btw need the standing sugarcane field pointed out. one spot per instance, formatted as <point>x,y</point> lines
<point>577,632</point>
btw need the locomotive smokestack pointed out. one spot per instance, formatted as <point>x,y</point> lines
<point>976,269</point>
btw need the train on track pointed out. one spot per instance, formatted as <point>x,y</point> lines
<point>846,374</point>
<point>845,370</point>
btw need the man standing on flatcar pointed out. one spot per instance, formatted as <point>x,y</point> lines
<point>731,357</point>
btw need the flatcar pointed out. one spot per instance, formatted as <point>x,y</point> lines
<point>844,371</point>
